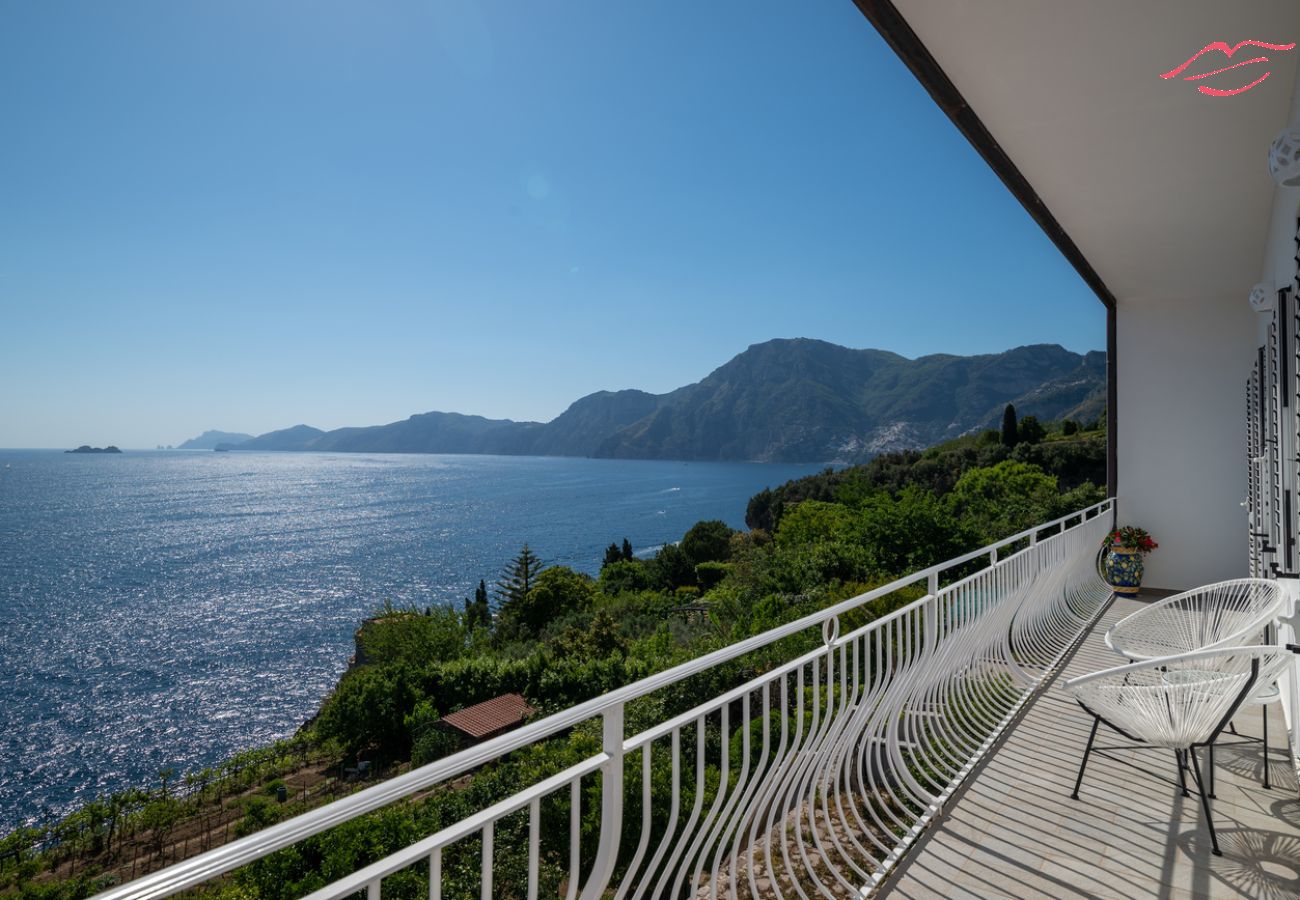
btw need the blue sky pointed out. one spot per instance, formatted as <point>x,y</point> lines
<point>245,215</point>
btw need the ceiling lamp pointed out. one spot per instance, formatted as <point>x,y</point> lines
<point>1262,298</point>
<point>1284,157</point>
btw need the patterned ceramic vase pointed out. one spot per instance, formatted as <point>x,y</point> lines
<point>1123,568</point>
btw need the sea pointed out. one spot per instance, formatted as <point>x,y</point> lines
<point>167,609</point>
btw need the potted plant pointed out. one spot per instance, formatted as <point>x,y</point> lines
<point>1125,549</point>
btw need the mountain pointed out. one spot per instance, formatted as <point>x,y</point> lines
<point>581,428</point>
<point>1081,392</point>
<point>209,440</point>
<point>805,400</point>
<point>786,400</point>
<point>299,437</point>
<point>434,432</point>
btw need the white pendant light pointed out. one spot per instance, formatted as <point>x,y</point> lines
<point>1284,157</point>
<point>1262,298</point>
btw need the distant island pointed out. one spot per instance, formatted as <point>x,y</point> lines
<point>786,400</point>
<point>86,448</point>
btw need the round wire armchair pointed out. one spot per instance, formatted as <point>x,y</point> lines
<point>1216,615</point>
<point>1180,703</point>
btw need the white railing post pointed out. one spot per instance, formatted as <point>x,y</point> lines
<point>611,804</point>
<point>932,613</point>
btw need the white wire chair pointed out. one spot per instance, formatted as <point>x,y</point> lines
<point>1224,614</point>
<point>1178,702</point>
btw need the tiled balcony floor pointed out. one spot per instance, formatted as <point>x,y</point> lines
<point>1015,832</point>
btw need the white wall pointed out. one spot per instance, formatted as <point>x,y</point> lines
<point>1182,367</point>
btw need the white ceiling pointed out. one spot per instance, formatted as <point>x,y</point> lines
<point>1165,190</point>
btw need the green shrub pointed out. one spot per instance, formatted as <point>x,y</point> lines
<point>710,574</point>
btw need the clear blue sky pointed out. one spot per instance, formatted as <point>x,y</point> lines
<point>245,215</point>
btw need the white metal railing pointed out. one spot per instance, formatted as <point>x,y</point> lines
<point>809,779</point>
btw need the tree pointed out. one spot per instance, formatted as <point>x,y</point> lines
<point>600,639</point>
<point>165,775</point>
<point>1069,426</point>
<point>429,742</point>
<point>1031,430</point>
<point>603,635</point>
<point>368,708</point>
<point>612,555</point>
<point>259,812</point>
<point>1010,434</point>
<point>911,531</point>
<point>555,591</point>
<point>478,614</point>
<point>710,574</point>
<point>815,522</point>
<point>1002,500</point>
<point>627,550</point>
<point>708,541</point>
<point>673,567</point>
<point>625,575</point>
<point>398,635</point>
<point>517,578</point>
<point>159,816</point>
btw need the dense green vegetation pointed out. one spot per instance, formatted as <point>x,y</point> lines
<point>560,637</point>
<point>1073,454</point>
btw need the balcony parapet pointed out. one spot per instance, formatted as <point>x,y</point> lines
<point>846,752</point>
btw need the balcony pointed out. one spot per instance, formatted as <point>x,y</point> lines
<point>806,761</point>
<point>926,751</point>
<point>1013,830</point>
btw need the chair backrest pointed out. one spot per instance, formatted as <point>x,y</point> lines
<point>1217,615</point>
<point>1179,701</point>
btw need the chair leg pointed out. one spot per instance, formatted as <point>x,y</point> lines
<point>1266,780</point>
<point>1232,727</point>
<point>1182,771</point>
<point>1096,720</point>
<point>1210,773</point>
<point>1205,802</point>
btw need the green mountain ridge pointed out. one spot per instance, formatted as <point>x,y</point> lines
<point>784,400</point>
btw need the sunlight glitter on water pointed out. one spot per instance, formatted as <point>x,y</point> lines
<point>170,609</point>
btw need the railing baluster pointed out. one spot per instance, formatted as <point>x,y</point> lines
<point>575,836</point>
<point>488,835</point>
<point>534,846</point>
<point>611,803</point>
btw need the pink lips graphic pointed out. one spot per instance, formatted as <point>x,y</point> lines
<point>1222,47</point>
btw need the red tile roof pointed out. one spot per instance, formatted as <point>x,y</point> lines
<point>491,716</point>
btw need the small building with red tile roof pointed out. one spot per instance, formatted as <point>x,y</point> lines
<point>490,718</point>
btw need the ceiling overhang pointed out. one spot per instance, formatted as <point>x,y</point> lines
<point>1151,188</point>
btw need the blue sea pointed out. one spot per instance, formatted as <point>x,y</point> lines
<point>172,608</point>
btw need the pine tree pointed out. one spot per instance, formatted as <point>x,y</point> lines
<point>477,612</point>
<point>627,550</point>
<point>517,578</point>
<point>612,555</point>
<point>1010,433</point>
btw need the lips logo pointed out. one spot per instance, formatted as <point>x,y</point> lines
<point>1227,51</point>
